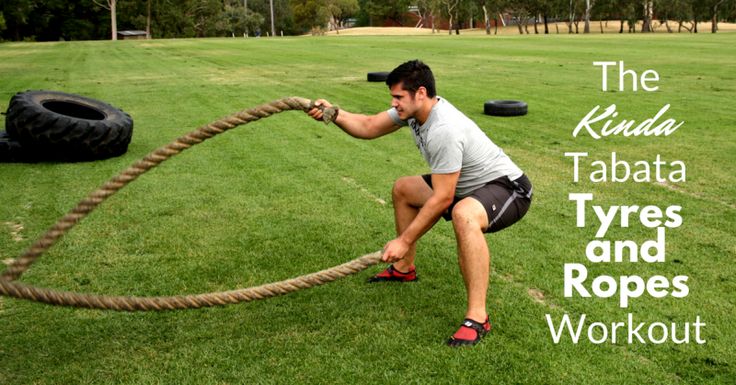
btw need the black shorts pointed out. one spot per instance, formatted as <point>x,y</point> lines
<point>506,201</point>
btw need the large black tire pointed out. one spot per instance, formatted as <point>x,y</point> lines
<point>10,150</point>
<point>505,108</point>
<point>377,76</point>
<point>53,125</point>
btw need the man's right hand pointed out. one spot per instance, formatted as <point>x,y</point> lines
<point>319,106</point>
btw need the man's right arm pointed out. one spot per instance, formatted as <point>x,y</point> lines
<point>358,125</point>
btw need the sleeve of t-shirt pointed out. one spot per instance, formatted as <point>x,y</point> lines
<point>445,151</point>
<point>395,117</point>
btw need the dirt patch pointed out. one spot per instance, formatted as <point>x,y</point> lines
<point>536,295</point>
<point>15,231</point>
<point>507,277</point>
<point>610,27</point>
<point>539,297</point>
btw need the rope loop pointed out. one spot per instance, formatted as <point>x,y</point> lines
<point>122,303</point>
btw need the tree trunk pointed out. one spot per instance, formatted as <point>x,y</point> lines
<point>621,29</point>
<point>487,20</point>
<point>536,19</point>
<point>714,19</point>
<point>273,26</point>
<point>113,18</point>
<point>586,28</point>
<point>646,25</point>
<point>546,25</point>
<point>571,18</point>
<point>695,23</point>
<point>148,21</point>
<point>450,7</point>
<point>601,26</point>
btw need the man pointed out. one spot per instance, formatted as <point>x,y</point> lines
<point>472,182</point>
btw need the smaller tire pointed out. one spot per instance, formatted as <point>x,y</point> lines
<point>505,108</point>
<point>10,150</point>
<point>377,76</point>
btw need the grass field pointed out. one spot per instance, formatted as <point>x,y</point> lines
<point>287,196</point>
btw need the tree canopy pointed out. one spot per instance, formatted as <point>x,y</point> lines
<point>51,20</point>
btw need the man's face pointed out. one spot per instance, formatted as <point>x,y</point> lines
<point>405,103</point>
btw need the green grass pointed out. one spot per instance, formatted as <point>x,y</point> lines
<point>269,201</point>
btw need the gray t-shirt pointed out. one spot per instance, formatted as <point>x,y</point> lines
<point>451,142</point>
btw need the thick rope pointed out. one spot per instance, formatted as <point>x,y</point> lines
<point>122,303</point>
<point>87,205</point>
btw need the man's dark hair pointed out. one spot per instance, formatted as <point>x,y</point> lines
<point>413,74</point>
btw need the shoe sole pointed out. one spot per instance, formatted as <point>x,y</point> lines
<point>392,279</point>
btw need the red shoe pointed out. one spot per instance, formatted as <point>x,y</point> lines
<point>391,274</point>
<point>470,333</point>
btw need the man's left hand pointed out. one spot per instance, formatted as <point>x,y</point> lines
<point>395,250</point>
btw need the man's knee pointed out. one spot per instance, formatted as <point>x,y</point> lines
<point>469,214</point>
<point>404,187</point>
<point>401,189</point>
<point>412,190</point>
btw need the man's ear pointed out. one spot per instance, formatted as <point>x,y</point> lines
<point>422,92</point>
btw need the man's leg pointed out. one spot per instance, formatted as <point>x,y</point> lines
<point>410,193</point>
<point>469,219</point>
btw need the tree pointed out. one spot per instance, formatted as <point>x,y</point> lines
<point>111,6</point>
<point>148,19</point>
<point>676,10</point>
<point>539,8</point>
<point>340,10</point>
<point>283,15</point>
<point>371,9</point>
<point>714,14</point>
<point>571,12</point>
<point>521,10</point>
<point>623,10</point>
<point>236,19</point>
<point>310,14</point>
<point>16,14</point>
<point>646,25</point>
<point>427,10</point>
<point>450,5</point>
<point>588,6</point>
<point>273,24</point>
<point>547,8</point>
<point>490,9</point>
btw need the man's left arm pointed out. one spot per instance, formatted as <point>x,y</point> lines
<point>443,193</point>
